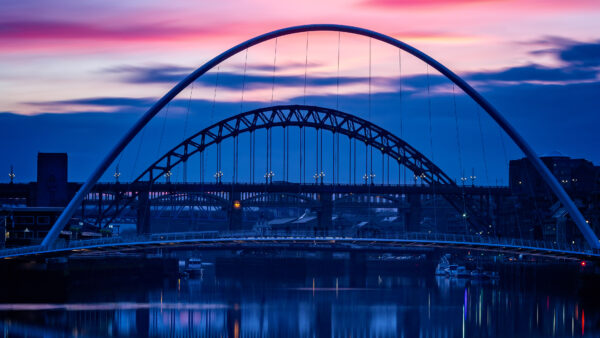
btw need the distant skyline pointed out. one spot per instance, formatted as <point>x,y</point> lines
<point>75,75</point>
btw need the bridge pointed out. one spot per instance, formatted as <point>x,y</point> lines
<point>340,195</point>
<point>336,241</point>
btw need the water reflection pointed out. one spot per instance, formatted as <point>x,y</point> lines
<point>387,304</point>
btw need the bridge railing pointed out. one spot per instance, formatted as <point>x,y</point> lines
<point>454,239</point>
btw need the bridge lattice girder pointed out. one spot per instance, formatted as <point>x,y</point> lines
<point>300,116</point>
<point>316,118</point>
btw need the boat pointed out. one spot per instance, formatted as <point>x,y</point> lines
<point>442,267</point>
<point>194,266</point>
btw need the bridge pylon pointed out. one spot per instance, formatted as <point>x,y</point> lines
<point>143,212</point>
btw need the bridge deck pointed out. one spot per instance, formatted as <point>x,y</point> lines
<point>305,241</point>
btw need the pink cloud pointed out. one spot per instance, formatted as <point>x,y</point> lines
<point>535,5</point>
<point>73,30</point>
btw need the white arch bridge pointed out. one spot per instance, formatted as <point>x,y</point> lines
<point>304,116</point>
<point>272,240</point>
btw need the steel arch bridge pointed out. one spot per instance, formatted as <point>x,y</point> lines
<point>417,163</point>
<point>301,116</point>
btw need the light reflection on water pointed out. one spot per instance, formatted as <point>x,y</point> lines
<point>395,303</point>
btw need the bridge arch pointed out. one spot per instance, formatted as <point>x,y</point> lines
<point>304,117</point>
<point>187,197</point>
<point>297,199</point>
<point>393,201</point>
<point>318,118</point>
<point>544,172</point>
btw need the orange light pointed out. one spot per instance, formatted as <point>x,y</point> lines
<point>237,204</point>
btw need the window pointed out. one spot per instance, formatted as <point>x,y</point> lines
<point>43,220</point>
<point>23,219</point>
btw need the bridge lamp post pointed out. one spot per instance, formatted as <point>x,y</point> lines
<point>11,174</point>
<point>372,177</point>
<point>463,180</point>
<point>269,176</point>
<point>218,176</point>
<point>117,174</point>
<point>319,175</point>
<point>365,178</point>
<point>168,175</point>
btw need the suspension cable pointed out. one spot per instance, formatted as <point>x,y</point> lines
<point>212,114</point>
<point>185,126</point>
<point>433,183</point>
<point>370,79</point>
<point>354,157</point>
<point>485,164</point>
<point>162,132</point>
<point>460,160</point>
<point>401,168</point>
<point>483,152</point>
<point>337,100</point>
<point>305,67</point>
<point>137,155</point>
<point>274,65</point>
<point>212,110</point>
<point>300,131</point>
<point>244,82</point>
<point>506,160</point>
<point>317,156</point>
<point>349,160</point>
<point>321,173</point>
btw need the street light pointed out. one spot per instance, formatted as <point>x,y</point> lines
<point>269,176</point>
<point>319,175</point>
<point>218,176</point>
<point>168,175</point>
<point>117,174</point>
<point>11,174</point>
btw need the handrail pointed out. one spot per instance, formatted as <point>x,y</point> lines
<point>456,239</point>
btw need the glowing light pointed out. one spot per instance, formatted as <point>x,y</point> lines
<point>583,263</point>
<point>237,204</point>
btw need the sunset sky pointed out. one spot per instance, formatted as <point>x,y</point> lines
<point>75,74</point>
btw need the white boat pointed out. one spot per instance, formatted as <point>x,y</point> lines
<point>194,266</point>
<point>442,267</point>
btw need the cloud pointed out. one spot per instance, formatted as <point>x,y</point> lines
<point>579,63</point>
<point>420,3</point>
<point>534,72</point>
<point>572,52</point>
<point>152,74</point>
<point>233,80</point>
<point>64,30</point>
<point>582,54</point>
<point>112,102</point>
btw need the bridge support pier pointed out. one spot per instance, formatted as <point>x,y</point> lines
<point>413,217</point>
<point>143,212</point>
<point>402,216</point>
<point>234,214</point>
<point>325,212</point>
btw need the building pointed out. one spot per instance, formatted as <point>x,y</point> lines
<point>577,176</point>
<point>538,211</point>
<point>52,180</point>
<point>27,211</point>
<point>26,225</point>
